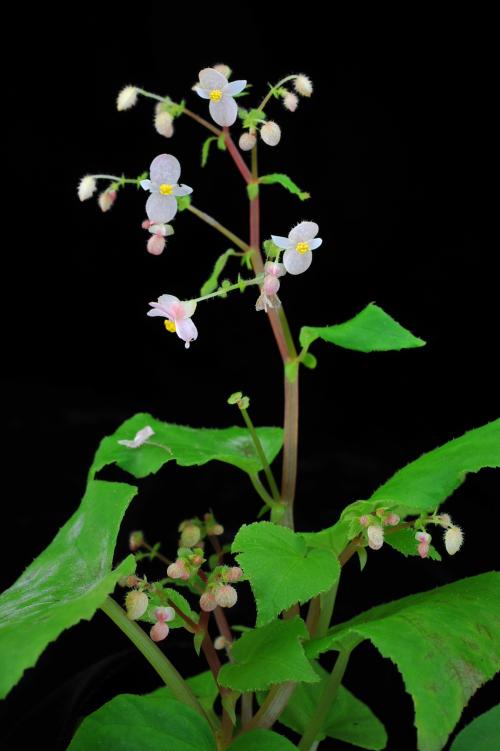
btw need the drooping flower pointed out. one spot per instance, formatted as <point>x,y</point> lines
<point>86,187</point>
<point>268,297</point>
<point>298,246</point>
<point>271,133</point>
<point>453,539</point>
<point>164,173</point>
<point>164,614</point>
<point>126,98</point>
<point>303,85</point>
<point>140,437</point>
<point>234,574</point>
<point>178,315</point>
<point>214,85</point>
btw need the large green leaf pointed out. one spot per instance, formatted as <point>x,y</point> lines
<point>149,723</point>
<point>445,643</point>
<point>261,740</point>
<point>268,655</point>
<point>348,719</point>
<point>372,330</point>
<point>425,483</point>
<point>66,583</point>
<point>483,733</point>
<point>187,446</point>
<point>280,568</point>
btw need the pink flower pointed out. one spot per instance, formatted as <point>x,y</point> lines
<point>178,570</point>
<point>164,172</point>
<point>424,540</point>
<point>178,315</point>
<point>268,297</point>
<point>159,631</point>
<point>214,86</point>
<point>234,574</point>
<point>140,437</point>
<point>298,246</point>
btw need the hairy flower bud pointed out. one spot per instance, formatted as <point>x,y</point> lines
<point>208,602</point>
<point>159,631</point>
<point>106,199</point>
<point>303,85</point>
<point>274,269</point>
<point>247,141</point>
<point>86,187</point>
<point>270,133</point>
<point>453,540</point>
<point>126,98</point>
<point>135,540</point>
<point>164,124</point>
<point>214,530</point>
<point>220,642</point>
<point>445,520</point>
<point>156,245</point>
<point>190,536</point>
<point>234,574</point>
<point>225,70</point>
<point>375,536</point>
<point>226,596</point>
<point>136,604</point>
<point>178,570</point>
<point>423,537</point>
<point>290,101</point>
<point>423,549</point>
<point>164,614</point>
<point>364,520</point>
<point>392,520</point>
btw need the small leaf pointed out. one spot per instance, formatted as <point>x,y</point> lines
<point>183,202</point>
<point>280,568</point>
<point>263,740</point>
<point>213,281</point>
<point>66,583</point>
<point>198,641</point>
<point>404,542</point>
<point>268,655</point>
<point>251,118</point>
<point>444,642</point>
<point>205,149</point>
<point>372,330</point>
<point>252,190</point>
<point>149,723</point>
<point>221,142</point>
<point>285,182</point>
<point>187,446</point>
<point>482,734</point>
<point>309,360</point>
<point>363,557</point>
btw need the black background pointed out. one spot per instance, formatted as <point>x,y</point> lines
<point>395,147</point>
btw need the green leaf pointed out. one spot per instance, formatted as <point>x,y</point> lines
<point>348,719</point>
<point>251,118</point>
<point>309,360</point>
<point>280,568</point>
<point>189,447</point>
<point>263,740</point>
<point>66,583</point>
<point>372,330</point>
<point>268,655</point>
<point>205,149</point>
<point>213,280</point>
<point>445,643</point>
<point>482,734</point>
<point>221,142</point>
<point>283,180</point>
<point>404,542</point>
<point>252,190</point>
<point>149,723</point>
<point>203,687</point>
<point>425,483</point>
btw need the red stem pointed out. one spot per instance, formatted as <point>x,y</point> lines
<point>237,158</point>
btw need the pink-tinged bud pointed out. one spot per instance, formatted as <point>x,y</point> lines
<point>290,101</point>
<point>215,530</point>
<point>178,570</point>
<point>126,98</point>
<point>226,596</point>
<point>132,581</point>
<point>271,285</point>
<point>392,520</point>
<point>271,133</point>
<point>197,560</point>
<point>364,520</point>
<point>303,85</point>
<point>159,631</point>
<point>234,574</point>
<point>208,602</point>
<point>220,642</point>
<point>224,69</point>
<point>136,604</point>
<point>445,520</point>
<point>453,540</point>
<point>164,615</point>
<point>190,535</point>
<point>247,141</point>
<point>147,224</point>
<point>423,549</point>
<point>135,540</point>
<point>423,537</point>
<point>86,187</point>
<point>156,245</point>
<point>106,199</point>
<point>375,537</point>
<point>274,269</point>
<point>164,124</point>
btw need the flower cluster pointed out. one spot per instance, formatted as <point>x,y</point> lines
<point>193,531</point>
<point>268,297</point>
<point>374,526</point>
<point>219,590</point>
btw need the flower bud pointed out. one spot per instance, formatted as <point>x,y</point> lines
<point>136,604</point>
<point>364,520</point>
<point>234,574</point>
<point>86,187</point>
<point>126,98</point>
<point>220,642</point>
<point>156,245</point>
<point>274,269</point>
<point>164,124</point>
<point>190,536</point>
<point>163,614</point>
<point>270,133</point>
<point>453,540</point>
<point>225,70</point>
<point>375,537</point>
<point>423,537</point>
<point>226,596</point>
<point>106,199</point>
<point>290,101</point>
<point>271,285</point>
<point>208,602</point>
<point>135,540</point>
<point>303,85</point>
<point>247,141</point>
<point>445,520</point>
<point>159,631</point>
<point>178,570</point>
<point>215,530</point>
<point>423,549</point>
<point>392,520</point>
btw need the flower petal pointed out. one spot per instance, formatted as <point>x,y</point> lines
<point>165,168</point>
<point>211,79</point>
<point>186,330</point>
<point>167,300</point>
<point>204,93</point>
<point>157,311</point>
<point>224,112</point>
<point>315,243</point>
<point>146,184</point>
<point>189,308</point>
<point>182,190</point>
<point>234,87</point>
<point>296,263</point>
<point>281,242</point>
<point>303,232</point>
<point>163,307</point>
<point>161,208</point>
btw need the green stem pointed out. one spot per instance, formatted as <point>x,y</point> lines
<point>262,492</point>
<point>272,89</point>
<point>185,111</point>
<point>153,655</point>
<point>222,291</point>
<point>327,698</point>
<point>273,705</point>
<point>327,604</point>
<point>220,228</point>
<point>262,456</point>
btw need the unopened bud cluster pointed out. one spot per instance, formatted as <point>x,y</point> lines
<point>219,590</point>
<point>187,563</point>
<point>193,531</point>
<point>374,524</point>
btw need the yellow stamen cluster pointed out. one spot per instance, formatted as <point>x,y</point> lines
<point>166,189</point>
<point>216,95</point>
<point>302,247</point>
<point>169,325</point>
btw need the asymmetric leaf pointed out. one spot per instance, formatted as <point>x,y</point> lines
<point>482,734</point>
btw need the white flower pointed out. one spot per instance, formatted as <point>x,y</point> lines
<point>140,437</point>
<point>126,98</point>
<point>87,187</point>
<point>303,85</point>
<point>271,133</point>
<point>178,315</point>
<point>298,246</point>
<point>164,172</point>
<point>214,86</point>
